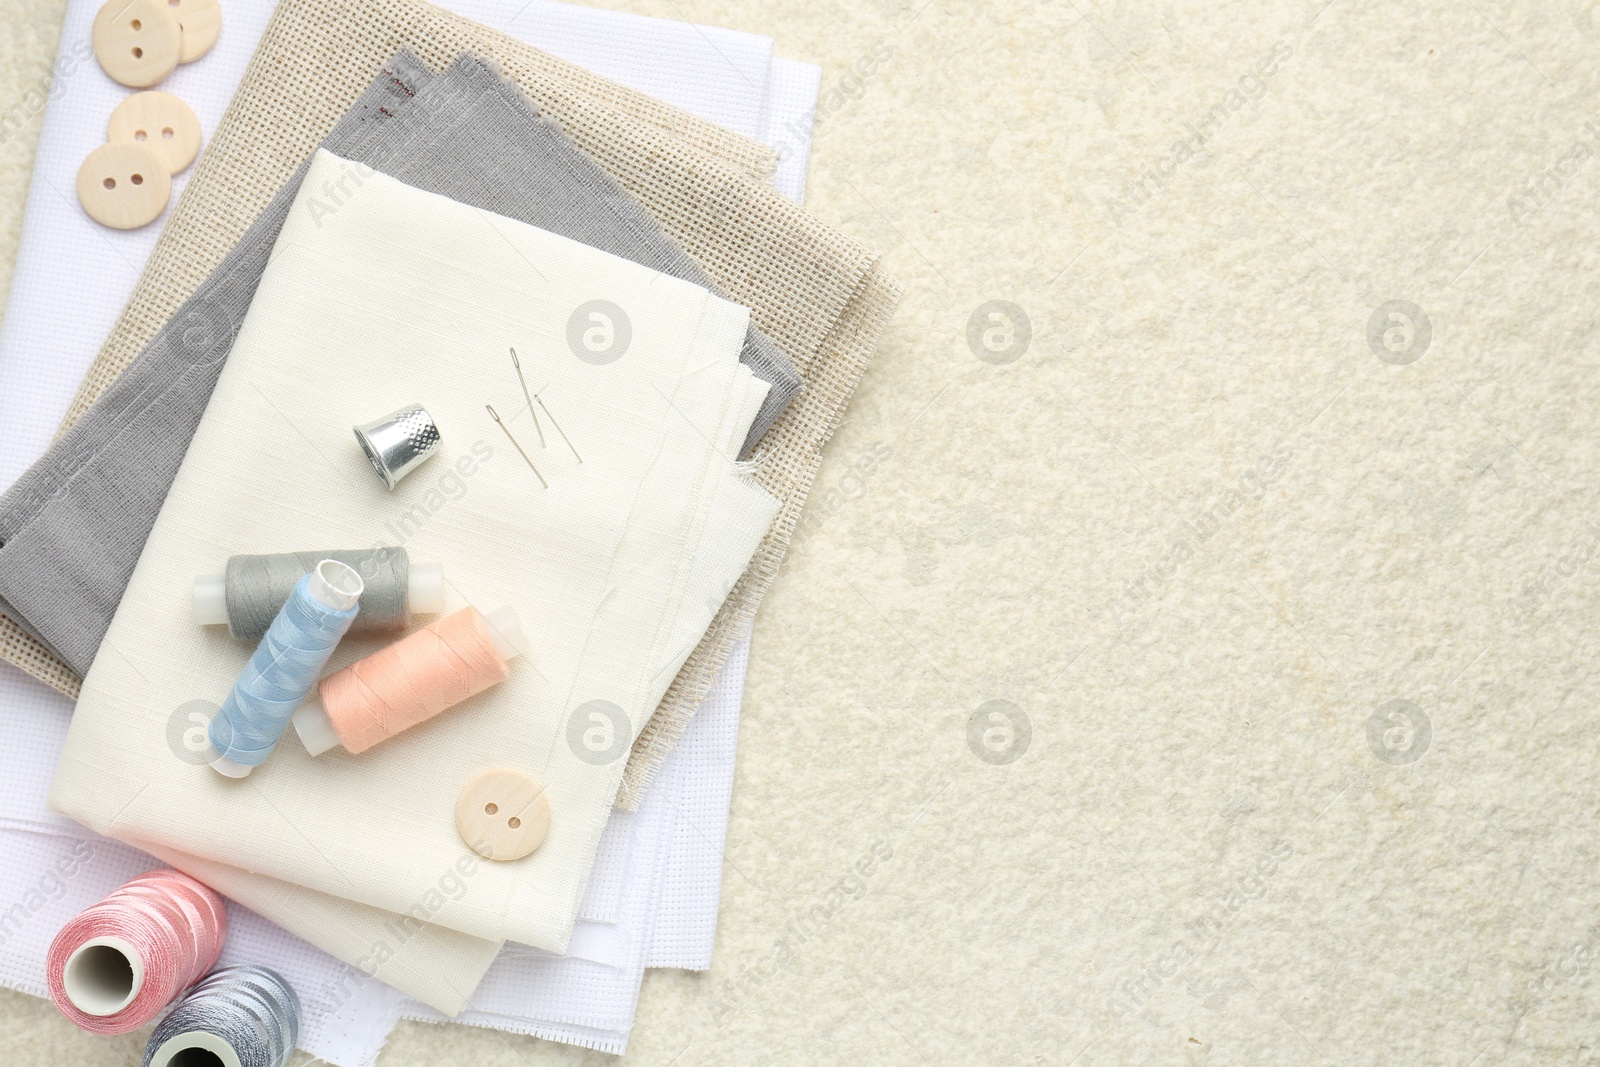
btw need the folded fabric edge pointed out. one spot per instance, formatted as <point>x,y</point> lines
<point>612,1042</point>
<point>851,345</point>
<point>418,972</point>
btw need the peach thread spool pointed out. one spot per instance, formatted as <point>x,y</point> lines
<point>411,681</point>
<point>119,962</point>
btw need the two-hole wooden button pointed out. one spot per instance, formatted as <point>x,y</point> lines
<point>138,42</point>
<point>126,184</point>
<point>503,814</point>
<point>201,22</point>
<point>162,123</point>
<point>123,185</point>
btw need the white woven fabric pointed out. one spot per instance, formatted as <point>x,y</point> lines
<point>585,1003</point>
<point>379,294</point>
<point>55,868</point>
<point>792,108</point>
<point>697,783</point>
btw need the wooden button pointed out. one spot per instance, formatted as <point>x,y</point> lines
<point>201,22</point>
<point>162,123</point>
<point>503,814</point>
<point>123,185</point>
<point>137,41</point>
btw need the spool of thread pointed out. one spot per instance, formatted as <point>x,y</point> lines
<point>249,593</point>
<point>411,681</point>
<point>283,668</point>
<point>119,962</point>
<point>244,1016</point>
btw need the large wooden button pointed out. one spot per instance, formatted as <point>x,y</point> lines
<point>137,41</point>
<point>123,185</point>
<point>503,814</point>
<point>201,22</point>
<point>162,123</point>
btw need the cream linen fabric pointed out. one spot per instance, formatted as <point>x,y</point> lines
<point>585,997</point>
<point>386,294</point>
<point>821,296</point>
<point>443,967</point>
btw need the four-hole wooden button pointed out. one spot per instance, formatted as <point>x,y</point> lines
<point>162,123</point>
<point>503,814</point>
<point>137,42</point>
<point>201,22</point>
<point>123,185</point>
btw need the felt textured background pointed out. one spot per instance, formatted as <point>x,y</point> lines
<point>1198,535</point>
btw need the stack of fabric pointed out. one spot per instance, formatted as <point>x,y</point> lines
<point>396,198</point>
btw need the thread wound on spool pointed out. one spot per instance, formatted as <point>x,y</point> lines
<point>256,588</point>
<point>412,680</point>
<point>281,672</point>
<point>245,1016</point>
<point>114,967</point>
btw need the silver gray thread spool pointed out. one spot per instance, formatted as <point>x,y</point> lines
<point>398,442</point>
<point>257,586</point>
<point>243,1016</point>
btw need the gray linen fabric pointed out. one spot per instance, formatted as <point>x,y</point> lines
<point>73,526</point>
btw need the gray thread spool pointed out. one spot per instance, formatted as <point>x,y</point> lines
<point>253,588</point>
<point>244,1016</point>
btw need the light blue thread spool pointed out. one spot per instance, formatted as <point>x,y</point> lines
<point>284,667</point>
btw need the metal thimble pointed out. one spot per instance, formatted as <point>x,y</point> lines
<point>398,442</point>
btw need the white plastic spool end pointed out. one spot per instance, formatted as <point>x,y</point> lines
<point>316,731</point>
<point>425,588</point>
<point>171,1052</point>
<point>103,976</point>
<point>223,765</point>
<point>210,600</point>
<point>506,630</point>
<point>336,585</point>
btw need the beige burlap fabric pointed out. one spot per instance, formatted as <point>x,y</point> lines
<point>818,294</point>
<point>23,649</point>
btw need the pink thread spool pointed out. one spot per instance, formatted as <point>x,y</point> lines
<point>116,965</point>
<point>411,681</point>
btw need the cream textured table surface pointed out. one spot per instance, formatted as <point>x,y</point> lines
<point>1186,634</point>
